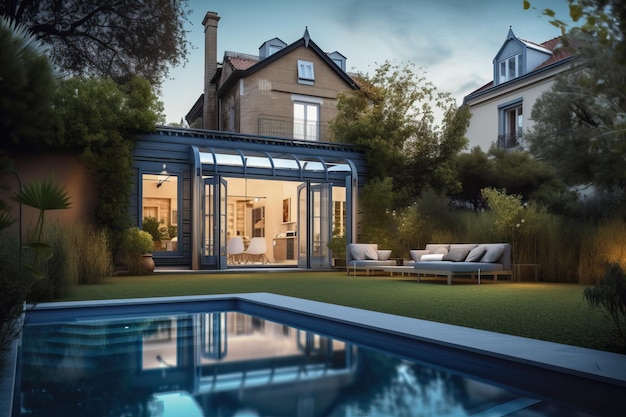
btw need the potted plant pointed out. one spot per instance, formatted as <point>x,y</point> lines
<point>136,250</point>
<point>337,246</point>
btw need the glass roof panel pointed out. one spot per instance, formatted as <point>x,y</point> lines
<point>335,167</point>
<point>258,161</point>
<point>285,161</point>
<point>312,166</point>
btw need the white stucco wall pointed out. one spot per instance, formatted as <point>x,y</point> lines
<point>484,124</point>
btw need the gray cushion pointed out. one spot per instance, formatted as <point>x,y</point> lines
<point>358,250</point>
<point>456,255</point>
<point>493,253</point>
<point>441,250</point>
<point>371,253</point>
<point>416,254</point>
<point>432,247</point>
<point>468,246</point>
<point>476,254</point>
<point>384,254</point>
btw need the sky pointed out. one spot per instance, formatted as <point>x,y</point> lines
<point>453,41</point>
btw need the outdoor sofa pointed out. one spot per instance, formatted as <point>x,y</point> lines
<point>367,257</point>
<point>468,259</point>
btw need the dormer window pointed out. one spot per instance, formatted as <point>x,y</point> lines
<point>270,47</point>
<point>510,68</point>
<point>306,75</point>
<point>274,48</point>
<point>338,59</point>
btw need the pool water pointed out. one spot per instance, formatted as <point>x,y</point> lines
<point>229,363</point>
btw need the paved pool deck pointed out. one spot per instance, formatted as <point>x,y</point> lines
<point>568,373</point>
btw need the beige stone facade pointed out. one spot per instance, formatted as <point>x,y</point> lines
<point>258,94</point>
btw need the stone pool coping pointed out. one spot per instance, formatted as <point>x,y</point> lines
<point>586,377</point>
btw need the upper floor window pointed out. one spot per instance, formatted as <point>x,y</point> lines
<point>306,74</point>
<point>510,68</point>
<point>274,48</point>
<point>511,123</point>
<point>306,121</point>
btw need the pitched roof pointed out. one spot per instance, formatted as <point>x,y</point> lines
<point>239,61</point>
<point>559,55</point>
<point>244,66</point>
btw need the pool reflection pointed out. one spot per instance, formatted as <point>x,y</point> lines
<point>228,364</point>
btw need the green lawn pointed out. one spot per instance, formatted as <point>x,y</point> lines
<point>546,311</point>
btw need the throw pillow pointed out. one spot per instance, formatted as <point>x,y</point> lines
<point>384,254</point>
<point>456,255</point>
<point>441,250</point>
<point>476,254</point>
<point>371,253</point>
<point>432,257</point>
<point>416,254</point>
<point>357,252</point>
<point>493,253</point>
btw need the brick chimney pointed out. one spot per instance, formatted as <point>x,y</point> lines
<point>209,114</point>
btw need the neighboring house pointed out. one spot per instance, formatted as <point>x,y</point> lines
<point>287,91</point>
<point>501,109</point>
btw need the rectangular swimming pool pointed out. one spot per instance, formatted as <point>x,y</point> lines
<point>269,355</point>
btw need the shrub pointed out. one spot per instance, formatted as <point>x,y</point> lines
<point>338,245</point>
<point>135,243</point>
<point>610,294</point>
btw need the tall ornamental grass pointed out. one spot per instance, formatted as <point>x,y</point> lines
<point>80,255</point>
<point>574,250</point>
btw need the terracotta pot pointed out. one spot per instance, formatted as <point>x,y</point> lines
<point>147,263</point>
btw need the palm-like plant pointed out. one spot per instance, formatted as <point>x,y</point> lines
<point>43,195</point>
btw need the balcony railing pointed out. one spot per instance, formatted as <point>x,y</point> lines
<point>511,141</point>
<point>290,129</point>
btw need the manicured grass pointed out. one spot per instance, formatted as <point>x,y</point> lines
<point>546,311</point>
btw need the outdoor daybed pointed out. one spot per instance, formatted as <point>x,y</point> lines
<point>366,256</point>
<point>475,260</point>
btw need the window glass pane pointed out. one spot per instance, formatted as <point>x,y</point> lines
<point>160,210</point>
<point>511,68</point>
<point>305,121</point>
<point>305,70</point>
<point>298,120</point>
<point>502,71</point>
<point>520,67</point>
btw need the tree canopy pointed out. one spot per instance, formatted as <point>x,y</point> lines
<point>114,38</point>
<point>27,84</point>
<point>393,116</point>
<point>516,172</point>
<point>580,123</point>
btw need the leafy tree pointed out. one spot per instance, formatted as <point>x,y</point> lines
<point>100,118</point>
<point>475,171</point>
<point>580,123</point>
<point>114,38</point>
<point>27,85</point>
<point>393,116</point>
<point>517,172</point>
